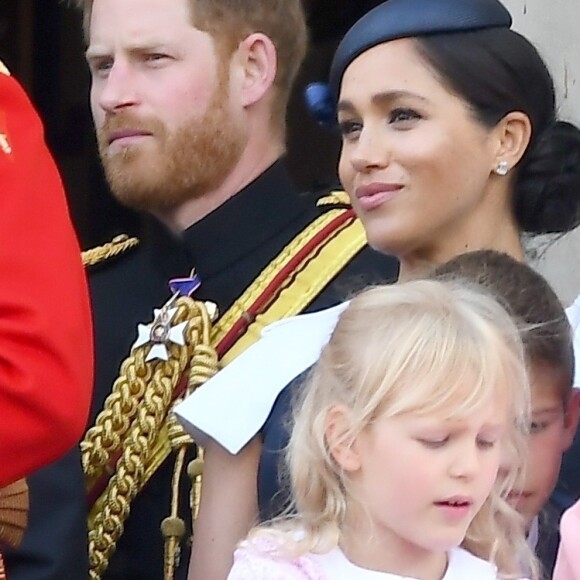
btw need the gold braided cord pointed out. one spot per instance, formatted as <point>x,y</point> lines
<point>108,525</point>
<point>121,406</point>
<point>241,305</point>
<point>195,471</point>
<point>333,198</point>
<point>306,284</point>
<point>116,246</point>
<point>120,409</point>
<point>173,527</point>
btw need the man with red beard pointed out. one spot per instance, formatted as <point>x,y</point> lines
<point>188,99</point>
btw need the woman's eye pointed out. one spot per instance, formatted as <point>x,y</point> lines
<point>403,115</point>
<point>349,128</point>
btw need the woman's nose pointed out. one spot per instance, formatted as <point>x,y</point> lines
<point>371,151</point>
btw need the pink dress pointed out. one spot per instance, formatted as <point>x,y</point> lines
<point>256,561</point>
<point>568,560</point>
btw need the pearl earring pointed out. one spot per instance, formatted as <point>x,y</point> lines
<point>502,168</point>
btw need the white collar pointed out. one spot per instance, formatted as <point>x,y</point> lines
<point>234,404</point>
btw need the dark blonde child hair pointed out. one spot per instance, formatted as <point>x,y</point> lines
<point>425,348</point>
<point>529,298</point>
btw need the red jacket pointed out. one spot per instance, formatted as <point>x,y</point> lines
<point>46,351</point>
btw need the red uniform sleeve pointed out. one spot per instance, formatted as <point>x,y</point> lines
<point>46,352</point>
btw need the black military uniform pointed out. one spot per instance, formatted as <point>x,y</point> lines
<point>228,249</point>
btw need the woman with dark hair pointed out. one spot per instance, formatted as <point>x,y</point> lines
<point>451,143</point>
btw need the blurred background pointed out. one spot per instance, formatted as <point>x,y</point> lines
<point>41,42</point>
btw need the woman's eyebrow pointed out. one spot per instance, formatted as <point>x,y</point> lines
<point>381,99</point>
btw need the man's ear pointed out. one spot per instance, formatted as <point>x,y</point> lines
<point>339,439</point>
<point>256,59</point>
<point>571,418</point>
<point>514,132</point>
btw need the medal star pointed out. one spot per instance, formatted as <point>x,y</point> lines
<point>160,333</point>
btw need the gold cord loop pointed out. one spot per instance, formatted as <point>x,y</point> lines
<point>116,246</point>
<point>131,421</point>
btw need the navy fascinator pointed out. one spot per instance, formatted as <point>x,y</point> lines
<point>395,19</point>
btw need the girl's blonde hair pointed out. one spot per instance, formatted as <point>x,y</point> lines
<point>423,347</point>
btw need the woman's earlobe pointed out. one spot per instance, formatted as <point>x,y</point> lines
<point>515,133</point>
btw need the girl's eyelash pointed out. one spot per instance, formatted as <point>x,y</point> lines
<point>438,443</point>
<point>434,443</point>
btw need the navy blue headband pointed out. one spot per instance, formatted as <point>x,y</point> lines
<point>402,19</point>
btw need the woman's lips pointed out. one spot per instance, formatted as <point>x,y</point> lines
<point>374,195</point>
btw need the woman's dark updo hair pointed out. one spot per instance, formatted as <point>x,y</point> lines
<point>497,71</point>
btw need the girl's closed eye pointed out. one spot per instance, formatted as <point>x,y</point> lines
<point>486,443</point>
<point>433,442</point>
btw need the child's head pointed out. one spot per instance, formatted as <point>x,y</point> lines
<point>547,340</point>
<point>401,427</point>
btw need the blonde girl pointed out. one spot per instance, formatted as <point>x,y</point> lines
<point>398,437</point>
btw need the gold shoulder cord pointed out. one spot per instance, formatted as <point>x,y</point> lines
<point>334,198</point>
<point>134,418</point>
<point>116,246</point>
<point>137,437</point>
